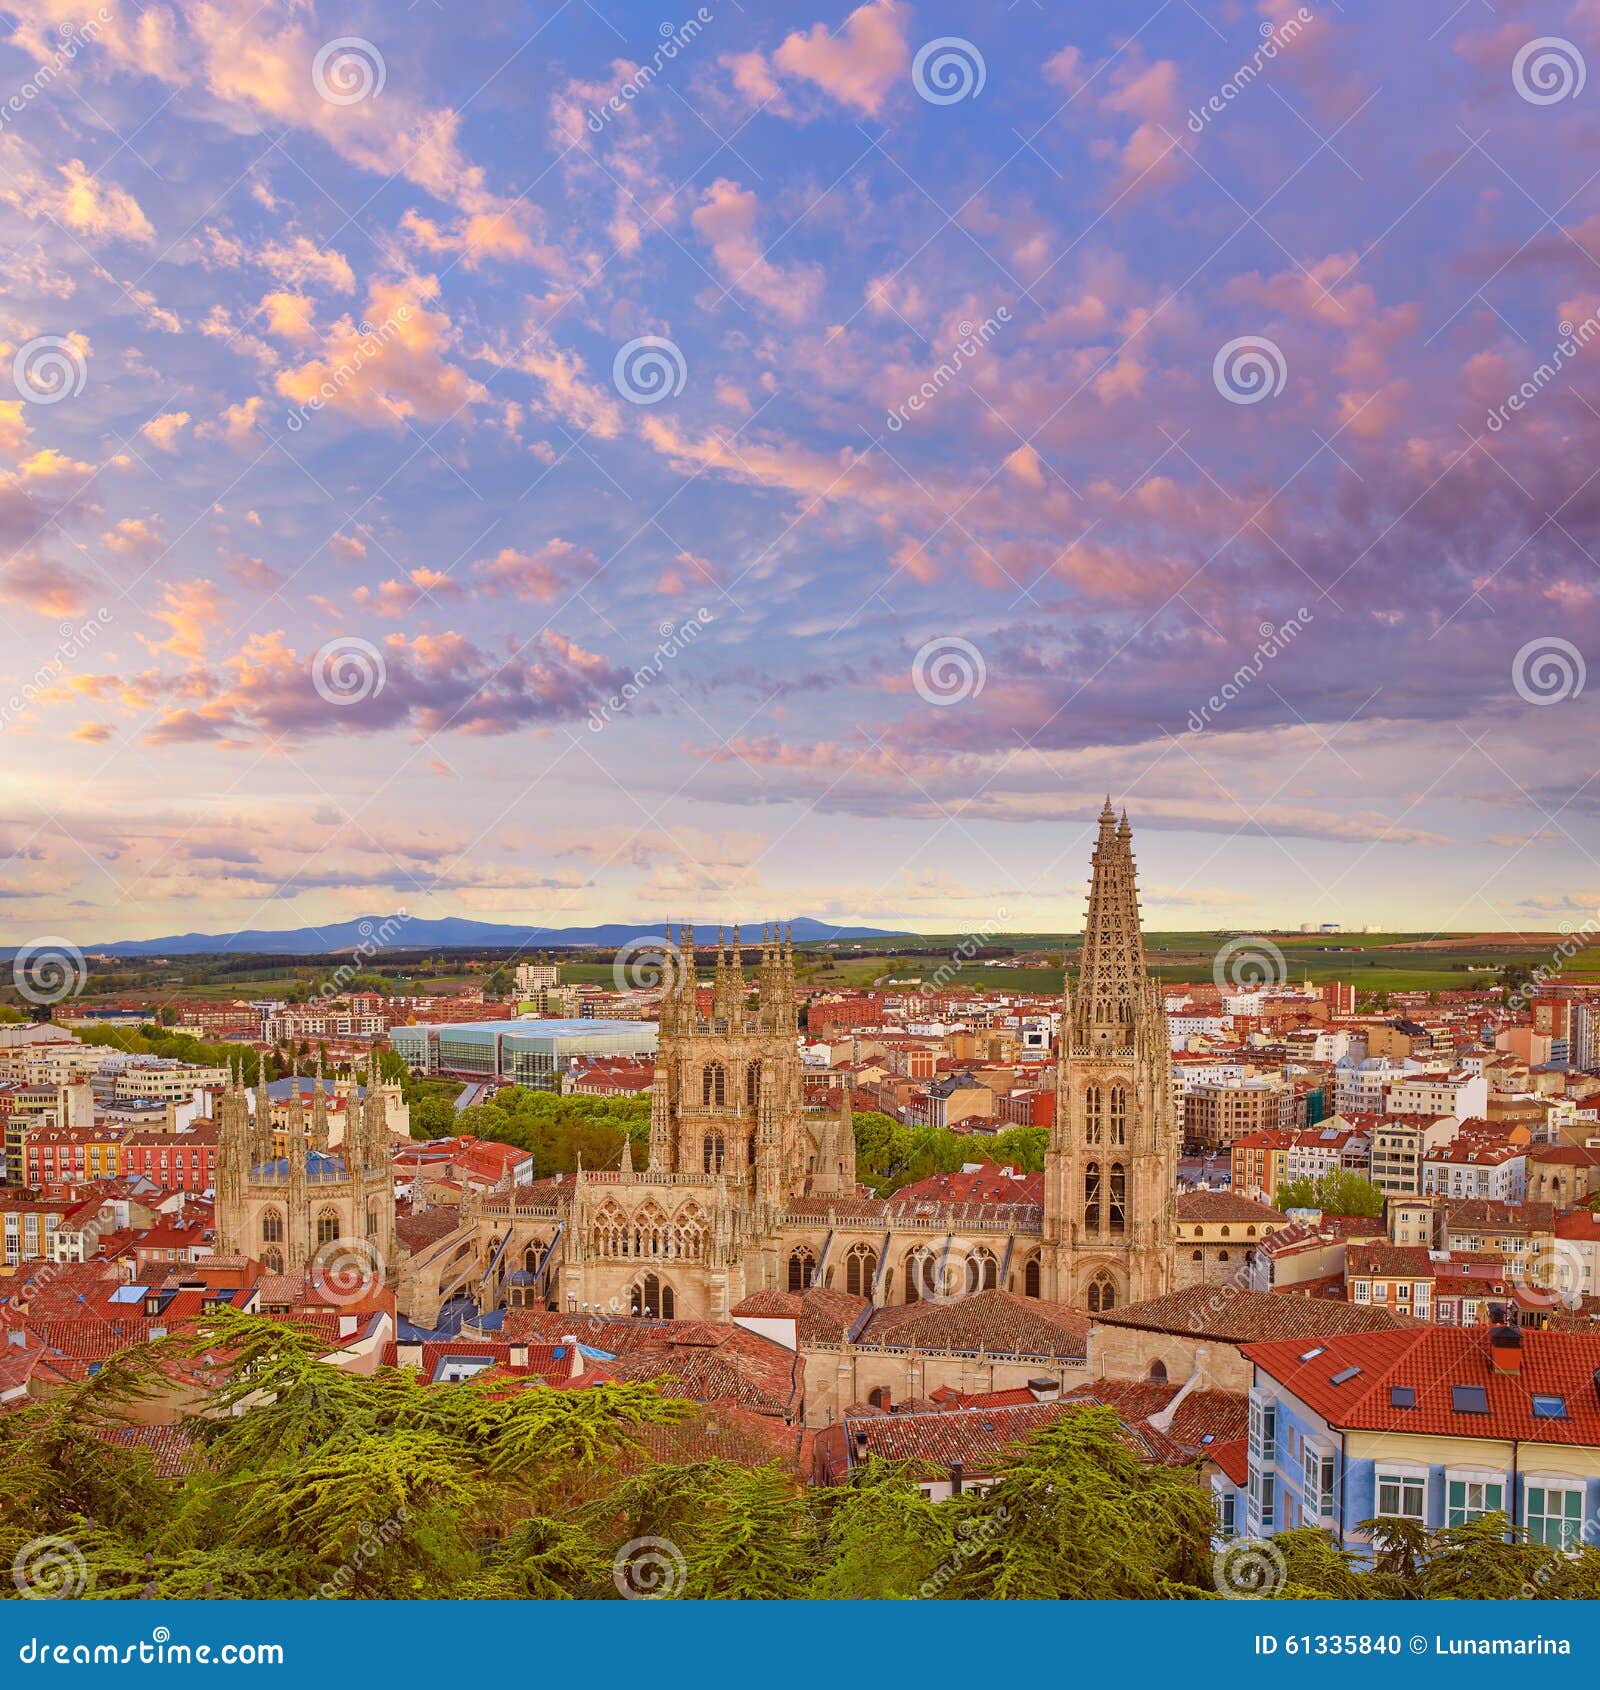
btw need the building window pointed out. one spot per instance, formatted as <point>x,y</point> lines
<point>1102,1293</point>
<point>1470,1499</point>
<point>1119,1115</point>
<point>752,1084</point>
<point>1263,1430</point>
<point>327,1226</point>
<point>1317,1494</point>
<point>652,1298</point>
<point>802,1264</point>
<point>1401,1495</point>
<point>1031,1278</point>
<point>713,1084</point>
<point>272,1226</point>
<point>860,1269</point>
<point>1119,1197</point>
<point>1091,1197</point>
<point>1555,1515</point>
<point>1093,1121</point>
<point>711,1152</point>
<point>1227,1514</point>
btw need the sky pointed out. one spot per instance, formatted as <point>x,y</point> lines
<point>580,462</point>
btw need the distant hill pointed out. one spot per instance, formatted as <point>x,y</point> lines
<point>448,932</point>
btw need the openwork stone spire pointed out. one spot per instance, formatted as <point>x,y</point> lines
<point>1111,977</point>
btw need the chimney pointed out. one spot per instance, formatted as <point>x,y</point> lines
<point>957,1471</point>
<point>519,1355</point>
<point>1045,1389</point>
<point>1505,1349</point>
<point>574,1356</point>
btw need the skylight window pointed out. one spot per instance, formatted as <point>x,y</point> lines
<point>1469,1399</point>
<point>1311,1355</point>
<point>1549,1408</point>
<point>1344,1375</point>
<point>1402,1396</point>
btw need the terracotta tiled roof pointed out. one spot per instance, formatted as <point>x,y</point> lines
<point>417,1232</point>
<point>1233,1457</point>
<point>1225,1206</point>
<point>995,1321</point>
<point>820,1314</point>
<point>1238,1317</point>
<point>1490,1214</point>
<point>988,1184</point>
<point>1432,1361</point>
<point>172,1446</point>
<point>976,1437</point>
<point>705,1361</point>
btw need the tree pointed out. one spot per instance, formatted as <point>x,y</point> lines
<point>1339,1192</point>
<point>432,1117</point>
<point>1079,1512</point>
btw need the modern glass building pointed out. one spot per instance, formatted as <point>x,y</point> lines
<point>525,1053</point>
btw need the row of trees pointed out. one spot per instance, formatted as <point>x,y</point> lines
<point>557,1129</point>
<point>313,1481</point>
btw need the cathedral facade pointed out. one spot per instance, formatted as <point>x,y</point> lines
<point>746,1190</point>
<point>289,1200</point>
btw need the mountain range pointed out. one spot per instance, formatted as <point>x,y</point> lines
<point>387,932</point>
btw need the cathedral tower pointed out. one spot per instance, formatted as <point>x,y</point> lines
<point>1111,1168</point>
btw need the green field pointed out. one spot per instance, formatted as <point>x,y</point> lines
<point>1374,963</point>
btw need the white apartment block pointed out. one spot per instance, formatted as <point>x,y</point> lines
<point>1464,1095</point>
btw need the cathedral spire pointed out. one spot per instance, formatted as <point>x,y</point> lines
<point>1111,975</point>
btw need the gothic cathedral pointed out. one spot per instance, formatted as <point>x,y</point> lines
<point>746,1189</point>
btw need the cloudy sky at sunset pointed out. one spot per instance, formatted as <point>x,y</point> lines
<point>339,505</point>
